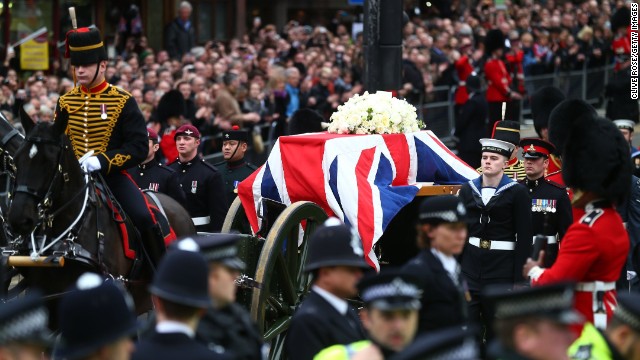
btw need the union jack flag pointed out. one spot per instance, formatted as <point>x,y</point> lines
<point>362,179</point>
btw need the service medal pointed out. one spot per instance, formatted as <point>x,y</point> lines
<point>103,111</point>
<point>194,186</point>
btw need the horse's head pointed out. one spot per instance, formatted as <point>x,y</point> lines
<point>42,163</point>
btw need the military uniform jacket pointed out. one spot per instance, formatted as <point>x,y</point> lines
<point>171,346</point>
<point>107,120</point>
<point>232,329</point>
<point>443,301</point>
<point>316,325</point>
<point>594,248</point>
<point>506,217</point>
<point>158,178</point>
<point>498,80</point>
<point>204,190</point>
<point>233,173</point>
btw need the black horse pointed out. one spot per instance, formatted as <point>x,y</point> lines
<point>57,214</point>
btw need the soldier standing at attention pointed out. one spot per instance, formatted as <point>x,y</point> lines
<point>234,168</point>
<point>200,181</point>
<point>551,213</point>
<point>152,175</point>
<point>106,120</point>
<point>336,262</point>
<point>226,324</point>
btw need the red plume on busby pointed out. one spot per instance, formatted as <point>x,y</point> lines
<point>494,40</point>
<point>542,103</point>
<point>84,46</point>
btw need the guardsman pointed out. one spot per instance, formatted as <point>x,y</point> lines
<point>513,62</point>
<point>442,233</point>
<point>497,76</point>
<point>324,318</point>
<point>499,222</point>
<point>619,103</point>
<point>543,102</point>
<point>23,328</point>
<point>105,119</point>
<point>97,321</point>
<point>618,341</point>
<point>550,206</point>
<point>534,323</point>
<point>234,168</point>
<point>451,343</point>
<point>152,175</point>
<point>509,131</point>
<point>390,315</point>
<point>200,181</point>
<point>594,250</point>
<point>226,324</point>
<point>180,298</point>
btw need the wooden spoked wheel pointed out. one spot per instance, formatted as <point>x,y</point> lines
<point>280,271</point>
<point>236,219</point>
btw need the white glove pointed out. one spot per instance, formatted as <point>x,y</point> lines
<point>91,164</point>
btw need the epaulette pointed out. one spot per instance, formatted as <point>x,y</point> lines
<point>209,165</point>
<point>559,186</point>
<point>590,217</point>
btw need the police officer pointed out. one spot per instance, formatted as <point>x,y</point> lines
<point>442,233</point>
<point>550,206</point>
<point>533,323</point>
<point>324,318</point>
<point>234,168</point>
<point>618,341</point>
<point>23,328</point>
<point>499,221</point>
<point>390,315</point>
<point>226,324</point>
<point>509,131</point>
<point>97,321</point>
<point>105,119</point>
<point>180,297</point>
<point>200,181</point>
<point>152,175</point>
<point>450,343</point>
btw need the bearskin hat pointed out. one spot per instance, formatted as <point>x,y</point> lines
<point>305,121</point>
<point>494,40</point>
<point>542,102</point>
<point>621,18</point>
<point>171,104</point>
<point>565,113</point>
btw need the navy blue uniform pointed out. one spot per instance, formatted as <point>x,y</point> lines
<point>158,178</point>
<point>204,190</point>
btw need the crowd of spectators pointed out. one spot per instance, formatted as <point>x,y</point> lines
<point>269,73</point>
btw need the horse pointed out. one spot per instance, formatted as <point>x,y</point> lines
<point>63,223</point>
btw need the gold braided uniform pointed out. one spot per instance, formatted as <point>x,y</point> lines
<point>107,120</point>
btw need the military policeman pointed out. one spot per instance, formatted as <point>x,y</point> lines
<point>180,298</point>
<point>234,168</point>
<point>226,324</point>
<point>324,318</point>
<point>97,321</point>
<point>152,175</point>
<point>390,315</point>
<point>200,181</point>
<point>23,328</point>
<point>105,120</point>
<point>550,205</point>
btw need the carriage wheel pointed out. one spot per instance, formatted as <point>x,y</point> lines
<point>236,219</point>
<point>280,271</point>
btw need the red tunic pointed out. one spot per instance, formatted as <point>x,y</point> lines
<point>621,47</point>
<point>463,69</point>
<point>498,80</point>
<point>555,165</point>
<point>594,248</point>
<point>514,65</point>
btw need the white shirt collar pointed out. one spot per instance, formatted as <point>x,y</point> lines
<point>170,326</point>
<point>448,262</point>
<point>339,304</point>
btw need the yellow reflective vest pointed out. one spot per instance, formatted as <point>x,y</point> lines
<point>341,352</point>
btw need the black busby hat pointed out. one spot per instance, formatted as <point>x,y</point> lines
<point>560,118</point>
<point>182,277</point>
<point>493,40</point>
<point>94,314</point>
<point>450,343</point>
<point>621,18</point>
<point>235,134</point>
<point>222,248</point>
<point>390,290</point>
<point>335,244</point>
<point>542,103</point>
<point>533,148</point>
<point>84,46</point>
<point>549,301</point>
<point>439,209</point>
<point>24,320</point>
<point>497,146</point>
<point>507,130</point>
<point>171,104</point>
<point>305,121</point>
<point>628,310</point>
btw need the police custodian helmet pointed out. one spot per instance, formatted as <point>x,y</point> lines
<point>335,244</point>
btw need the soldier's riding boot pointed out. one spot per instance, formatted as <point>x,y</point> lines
<point>153,241</point>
